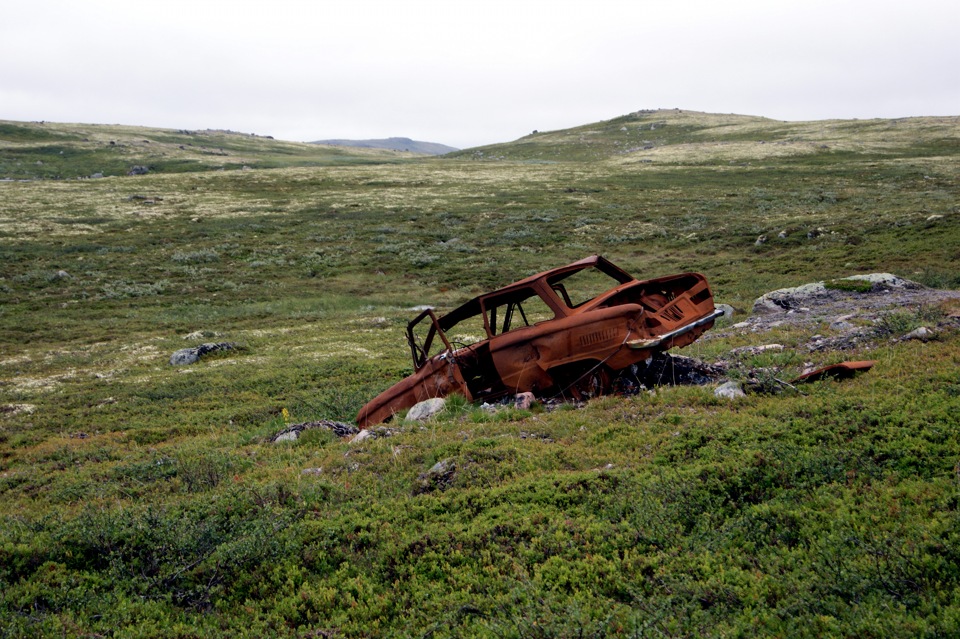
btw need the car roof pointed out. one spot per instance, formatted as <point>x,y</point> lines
<point>474,307</point>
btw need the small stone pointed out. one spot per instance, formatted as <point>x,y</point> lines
<point>311,471</point>
<point>361,436</point>
<point>729,390</point>
<point>756,350</point>
<point>728,311</point>
<point>923,334</point>
<point>524,401</point>
<point>440,476</point>
<point>290,436</point>
<point>426,409</point>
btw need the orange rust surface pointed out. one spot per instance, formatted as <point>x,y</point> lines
<point>562,332</point>
<point>842,370</point>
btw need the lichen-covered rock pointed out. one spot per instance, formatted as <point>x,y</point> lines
<point>808,295</point>
<point>187,356</point>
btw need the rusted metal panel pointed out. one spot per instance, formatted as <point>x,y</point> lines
<point>842,370</point>
<point>565,331</point>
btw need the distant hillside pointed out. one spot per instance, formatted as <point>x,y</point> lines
<point>48,150</point>
<point>674,136</point>
<point>394,144</point>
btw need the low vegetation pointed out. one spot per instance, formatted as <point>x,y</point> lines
<point>145,500</point>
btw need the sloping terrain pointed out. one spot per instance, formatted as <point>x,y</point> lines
<point>682,137</point>
<point>139,498</point>
<point>395,144</point>
<point>47,150</point>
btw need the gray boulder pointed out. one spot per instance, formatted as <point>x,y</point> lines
<point>799,298</point>
<point>426,409</point>
<point>187,356</point>
<point>728,311</point>
<point>729,390</point>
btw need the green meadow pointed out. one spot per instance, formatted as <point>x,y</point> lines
<point>140,499</point>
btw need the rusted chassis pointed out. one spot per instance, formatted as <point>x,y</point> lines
<point>574,354</point>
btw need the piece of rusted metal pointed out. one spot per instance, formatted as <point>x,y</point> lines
<point>843,370</point>
<point>565,331</point>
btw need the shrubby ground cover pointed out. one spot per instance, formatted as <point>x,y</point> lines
<point>140,499</point>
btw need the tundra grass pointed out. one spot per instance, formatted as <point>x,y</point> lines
<point>141,499</point>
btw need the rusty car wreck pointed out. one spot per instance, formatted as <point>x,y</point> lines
<point>564,332</point>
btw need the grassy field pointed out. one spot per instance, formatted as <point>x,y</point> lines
<point>145,500</point>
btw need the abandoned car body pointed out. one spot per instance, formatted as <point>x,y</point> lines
<point>563,332</point>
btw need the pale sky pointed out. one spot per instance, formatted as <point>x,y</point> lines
<point>468,73</point>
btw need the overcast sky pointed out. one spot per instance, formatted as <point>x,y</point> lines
<point>467,73</point>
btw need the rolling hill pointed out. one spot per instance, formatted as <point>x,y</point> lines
<point>394,144</point>
<point>139,498</point>
<point>676,136</point>
<point>46,150</point>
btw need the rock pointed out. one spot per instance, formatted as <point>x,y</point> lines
<point>524,401</point>
<point>883,281</point>
<point>666,369</point>
<point>200,335</point>
<point>756,350</point>
<point>186,356</point>
<point>786,299</point>
<point>426,409</point>
<point>311,471</point>
<point>729,390</point>
<point>62,275</point>
<point>806,296</point>
<point>373,433</point>
<point>440,476</point>
<point>292,432</point>
<point>362,436</point>
<point>728,311</point>
<point>923,334</point>
<point>138,170</point>
<point>761,241</point>
<point>841,324</point>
